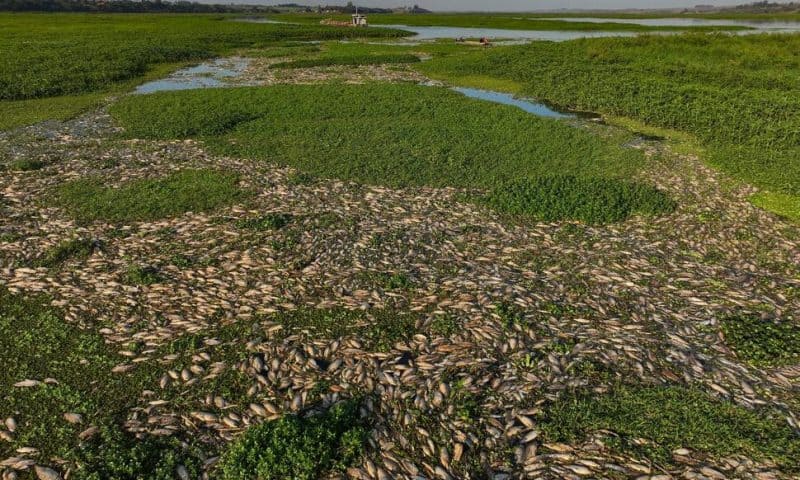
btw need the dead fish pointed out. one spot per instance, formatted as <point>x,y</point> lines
<point>73,418</point>
<point>27,383</point>
<point>45,473</point>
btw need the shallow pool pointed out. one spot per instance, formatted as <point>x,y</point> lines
<point>757,26</point>
<point>432,33</point>
<point>217,73</point>
<point>530,106</point>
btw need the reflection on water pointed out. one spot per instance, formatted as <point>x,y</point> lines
<point>759,26</point>
<point>538,109</point>
<point>217,73</point>
<point>431,33</point>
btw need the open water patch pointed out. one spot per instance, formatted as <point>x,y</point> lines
<point>530,106</point>
<point>754,26</point>
<point>221,72</point>
<point>534,107</point>
<point>494,34</point>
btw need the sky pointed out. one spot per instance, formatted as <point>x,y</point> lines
<point>506,5</point>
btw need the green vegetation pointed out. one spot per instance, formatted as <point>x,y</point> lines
<point>590,200</point>
<point>298,447</point>
<point>25,112</point>
<point>350,60</point>
<point>38,344</point>
<point>395,281</point>
<point>26,165</point>
<point>671,418</point>
<point>501,21</point>
<point>56,66</point>
<point>150,199</point>
<point>17,113</point>
<point>735,94</point>
<point>763,342</point>
<point>77,248</point>
<point>298,178</point>
<point>51,55</point>
<point>785,205</point>
<point>359,133</point>
<point>271,221</point>
<point>446,325</point>
<point>143,275</point>
<point>378,329</point>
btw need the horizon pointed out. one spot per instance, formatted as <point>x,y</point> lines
<point>513,5</point>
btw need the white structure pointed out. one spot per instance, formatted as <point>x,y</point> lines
<point>359,20</point>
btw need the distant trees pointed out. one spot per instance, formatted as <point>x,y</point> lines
<point>755,7</point>
<point>179,6</point>
<point>767,7</point>
<point>130,6</point>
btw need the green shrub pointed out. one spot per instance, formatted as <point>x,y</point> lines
<point>671,418</point>
<point>26,165</point>
<point>377,329</point>
<point>297,178</point>
<point>297,447</point>
<point>762,342</point>
<point>116,454</point>
<point>78,248</point>
<point>446,325</point>
<point>181,261</point>
<point>150,199</point>
<point>349,60</point>
<point>271,221</point>
<point>143,275</point>
<point>591,200</point>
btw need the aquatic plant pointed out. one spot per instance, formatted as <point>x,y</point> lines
<point>591,200</point>
<point>302,447</point>
<point>736,94</point>
<point>672,417</point>
<point>50,55</point>
<point>148,199</point>
<point>403,135</point>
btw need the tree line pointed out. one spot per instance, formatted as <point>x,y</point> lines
<point>125,6</point>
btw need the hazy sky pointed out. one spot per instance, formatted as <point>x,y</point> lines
<point>507,5</point>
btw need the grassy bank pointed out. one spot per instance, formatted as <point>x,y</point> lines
<point>735,94</point>
<point>399,135</point>
<point>48,55</point>
<point>361,133</point>
<point>55,66</point>
<point>16,113</point>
